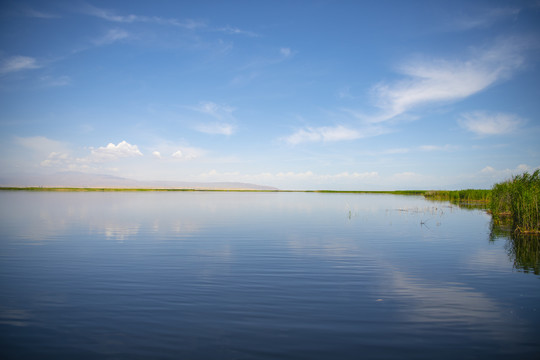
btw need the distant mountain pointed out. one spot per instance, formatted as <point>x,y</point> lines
<point>82,180</point>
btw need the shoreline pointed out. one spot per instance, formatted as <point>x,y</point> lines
<point>112,189</point>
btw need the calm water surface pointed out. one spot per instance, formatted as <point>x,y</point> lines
<point>211,275</point>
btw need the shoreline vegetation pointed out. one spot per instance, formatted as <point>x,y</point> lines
<point>515,200</point>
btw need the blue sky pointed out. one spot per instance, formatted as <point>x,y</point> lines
<point>359,95</point>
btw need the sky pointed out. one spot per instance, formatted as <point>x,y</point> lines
<point>342,95</point>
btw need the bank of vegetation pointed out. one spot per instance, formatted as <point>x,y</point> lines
<point>518,199</point>
<point>515,201</point>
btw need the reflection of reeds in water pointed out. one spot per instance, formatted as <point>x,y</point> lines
<point>523,249</point>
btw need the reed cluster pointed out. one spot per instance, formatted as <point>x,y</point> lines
<point>460,196</point>
<point>518,198</point>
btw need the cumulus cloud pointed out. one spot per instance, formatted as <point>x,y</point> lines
<point>485,123</point>
<point>432,81</point>
<point>156,154</point>
<point>18,63</point>
<point>113,152</point>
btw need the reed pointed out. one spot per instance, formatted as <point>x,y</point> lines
<point>460,196</point>
<point>519,199</point>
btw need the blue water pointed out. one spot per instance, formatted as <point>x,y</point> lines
<point>225,275</point>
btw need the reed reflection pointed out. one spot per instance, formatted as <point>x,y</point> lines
<point>523,249</point>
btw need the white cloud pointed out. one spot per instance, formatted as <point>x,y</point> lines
<point>325,133</point>
<point>217,111</point>
<point>286,52</point>
<point>187,153</point>
<point>56,159</point>
<point>236,31</point>
<point>445,80</point>
<point>491,175</point>
<point>111,16</point>
<point>156,154</point>
<point>18,63</point>
<point>330,133</point>
<point>114,152</point>
<point>446,147</point>
<point>216,128</point>
<point>426,82</point>
<point>112,36</point>
<point>487,170</point>
<point>222,113</point>
<point>397,151</point>
<point>484,123</point>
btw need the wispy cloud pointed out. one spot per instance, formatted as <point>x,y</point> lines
<point>425,82</point>
<point>30,12</point>
<point>331,134</point>
<point>434,81</point>
<point>285,52</point>
<point>222,113</point>
<point>446,147</point>
<point>493,175</point>
<point>485,123</point>
<point>485,18</point>
<point>113,35</point>
<point>236,31</point>
<point>18,63</point>
<point>52,81</point>
<point>323,133</point>
<point>131,18</point>
<point>216,128</point>
<point>215,110</point>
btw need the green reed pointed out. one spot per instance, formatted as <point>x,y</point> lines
<point>460,196</point>
<point>519,199</point>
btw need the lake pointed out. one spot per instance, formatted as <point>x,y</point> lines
<point>246,275</point>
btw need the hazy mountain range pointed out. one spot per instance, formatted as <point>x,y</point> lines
<point>82,180</point>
